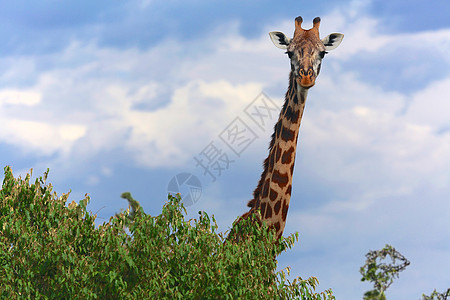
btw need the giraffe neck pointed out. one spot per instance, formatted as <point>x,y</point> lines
<point>273,193</point>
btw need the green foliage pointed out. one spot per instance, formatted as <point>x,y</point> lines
<point>50,250</point>
<point>380,273</point>
<point>437,296</point>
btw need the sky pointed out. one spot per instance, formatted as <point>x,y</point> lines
<point>116,96</point>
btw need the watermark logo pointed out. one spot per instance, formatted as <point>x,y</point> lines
<point>213,161</point>
<point>219,155</point>
<point>238,136</point>
<point>189,187</point>
<point>262,111</point>
<point>258,116</point>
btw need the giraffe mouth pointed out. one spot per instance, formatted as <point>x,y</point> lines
<point>306,82</point>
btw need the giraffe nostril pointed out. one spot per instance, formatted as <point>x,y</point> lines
<point>309,72</point>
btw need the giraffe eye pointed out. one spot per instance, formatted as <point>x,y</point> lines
<point>289,54</point>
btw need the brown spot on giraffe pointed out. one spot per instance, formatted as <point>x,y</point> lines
<point>277,207</point>
<point>284,212</point>
<point>306,51</point>
<point>278,154</point>
<point>271,162</point>
<point>268,213</point>
<point>288,113</point>
<point>289,190</point>
<point>273,195</point>
<point>287,134</point>
<point>276,130</point>
<point>266,187</point>
<point>295,99</point>
<point>294,116</point>
<point>288,155</point>
<point>279,178</point>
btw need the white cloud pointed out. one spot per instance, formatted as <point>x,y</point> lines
<point>19,97</point>
<point>365,34</point>
<point>46,139</point>
<point>197,111</point>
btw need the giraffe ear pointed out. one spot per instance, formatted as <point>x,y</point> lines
<point>332,41</point>
<point>279,39</point>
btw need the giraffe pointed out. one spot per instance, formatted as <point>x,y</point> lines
<point>306,50</point>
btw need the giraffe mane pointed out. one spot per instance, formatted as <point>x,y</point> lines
<point>254,203</point>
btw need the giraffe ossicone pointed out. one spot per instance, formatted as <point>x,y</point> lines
<point>271,197</point>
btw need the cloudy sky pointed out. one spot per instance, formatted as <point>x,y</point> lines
<point>118,96</point>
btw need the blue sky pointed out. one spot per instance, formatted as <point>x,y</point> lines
<point>118,96</point>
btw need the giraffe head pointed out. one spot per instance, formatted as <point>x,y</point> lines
<point>306,50</point>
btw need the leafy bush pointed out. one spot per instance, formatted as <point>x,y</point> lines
<point>435,295</point>
<point>50,250</point>
<point>382,273</point>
